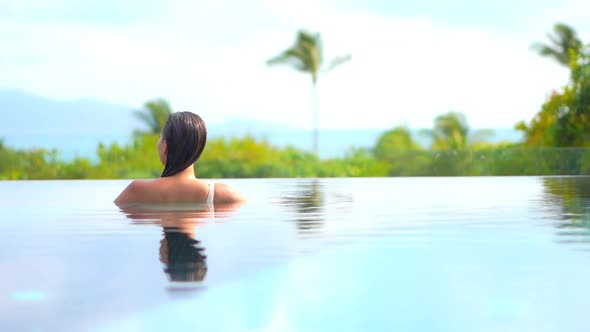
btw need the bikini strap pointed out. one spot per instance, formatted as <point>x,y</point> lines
<point>211,194</point>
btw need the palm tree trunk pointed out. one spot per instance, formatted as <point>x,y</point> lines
<point>315,119</point>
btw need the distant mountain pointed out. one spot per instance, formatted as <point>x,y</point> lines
<point>27,114</point>
<point>77,127</point>
<point>74,127</point>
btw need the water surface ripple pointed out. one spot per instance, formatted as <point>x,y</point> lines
<point>423,254</point>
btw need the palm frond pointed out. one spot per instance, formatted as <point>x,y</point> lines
<point>154,114</point>
<point>288,57</point>
<point>304,55</point>
<point>338,61</point>
<point>146,118</point>
<point>563,41</point>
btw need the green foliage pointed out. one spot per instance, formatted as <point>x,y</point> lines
<point>564,43</point>
<point>398,138</point>
<point>564,119</point>
<point>454,153</point>
<point>248,157</point>
<point>138,160</point>
<point>306,54</point>
<point>450,131</point>
<point>579,119</point>
<point>395,154</point>
<point>154,114</point>
<point>356,163</point>
<point>28,164</point>
<point>400,151</point>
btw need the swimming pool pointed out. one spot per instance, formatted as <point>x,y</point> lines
<point>409,254</point>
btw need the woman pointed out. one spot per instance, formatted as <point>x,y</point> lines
<point>181,143</point>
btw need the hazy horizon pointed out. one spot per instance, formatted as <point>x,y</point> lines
<point>65,125</point>
<point>13,99</point>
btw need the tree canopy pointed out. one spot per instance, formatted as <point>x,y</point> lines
<point>564,44</point>
<point>154,115</point>
<point>564,119</point>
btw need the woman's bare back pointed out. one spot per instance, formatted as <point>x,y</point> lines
<point>177,190</point>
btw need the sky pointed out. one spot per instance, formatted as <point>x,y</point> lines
<point>411,60</point>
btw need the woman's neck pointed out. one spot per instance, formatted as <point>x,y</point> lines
<point>188,173</point>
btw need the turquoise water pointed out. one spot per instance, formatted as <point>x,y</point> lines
<point>409,254</point>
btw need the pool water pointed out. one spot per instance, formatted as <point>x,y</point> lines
<point>408,254</point>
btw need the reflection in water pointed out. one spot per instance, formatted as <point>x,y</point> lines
<point>184,258</point>
<point>181,252</point>
<point>392,245</point>
<point>308,204</point>
<point>570,197</point>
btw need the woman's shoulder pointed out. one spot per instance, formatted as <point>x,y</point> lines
<point>155,189</point>
<point>143,185</point>
<point>227,194</point>
<point>135,190</point>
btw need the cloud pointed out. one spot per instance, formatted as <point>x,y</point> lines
<point>210,58</point>
<point>408,70</point>
<point>79,11</point>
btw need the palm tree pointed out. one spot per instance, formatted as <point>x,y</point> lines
<point>563,42</point>
<point>451,132</point>
<point>306,55</point>
<point>154,114</point>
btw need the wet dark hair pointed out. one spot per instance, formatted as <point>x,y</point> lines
<point>186,260</point>
<point>186,135</point>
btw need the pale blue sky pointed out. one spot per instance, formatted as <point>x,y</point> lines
<point>412,60</point>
